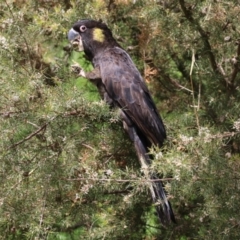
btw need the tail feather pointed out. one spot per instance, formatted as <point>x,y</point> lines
<point>159,197</point>
<point>163,206</point>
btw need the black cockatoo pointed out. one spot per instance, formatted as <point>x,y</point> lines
<point>120,84</point>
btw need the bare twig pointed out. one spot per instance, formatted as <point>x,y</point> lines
<point>41,217</point>
<point>7,114</point>
<point>30,135</point>
<point>33,124</point>
<point>224,135</point>
<point>199,96</point>
<point>193,95</point>
<point>88,146</point>
<point>118,180</point>
<point>117,192</point>
<point>177,84</point>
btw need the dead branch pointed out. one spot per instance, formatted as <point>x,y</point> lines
<point>29,136</point>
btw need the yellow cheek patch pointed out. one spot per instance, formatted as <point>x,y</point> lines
<point>98,35</point>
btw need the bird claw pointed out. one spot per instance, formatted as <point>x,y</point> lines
<point>77,69</point>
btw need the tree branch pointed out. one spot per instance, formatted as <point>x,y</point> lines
<point>29,136</point>
<point>207,45</point>
<point>176,83</point>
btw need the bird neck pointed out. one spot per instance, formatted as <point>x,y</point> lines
<point>96,48</point>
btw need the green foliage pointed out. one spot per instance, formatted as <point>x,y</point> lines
<point>67,169</point>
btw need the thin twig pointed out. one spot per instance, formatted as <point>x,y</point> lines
<point>177,84</point>
<point>150,226</point>
<point>30,135</point>
<point>139,180</point>
<point>199,96</point>
<point>87,146</point>
<point>193,95</point>
<point>117,192</point>
<point>33,124</point>
<point>118,180</point>
<point>7,114</point>
<point>42,215</point>
<point>225,135</point>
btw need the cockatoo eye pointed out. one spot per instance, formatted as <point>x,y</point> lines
<point>83,28</point>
